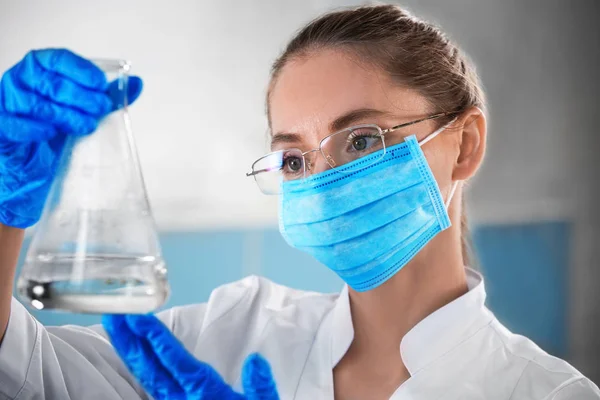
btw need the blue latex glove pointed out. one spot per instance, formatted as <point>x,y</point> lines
<point>168,371</point>
<point>49,94</point>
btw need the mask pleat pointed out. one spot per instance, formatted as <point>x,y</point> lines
<point>380,269</point>
<point>366,247</point>
<point>325,205</point>
<point>368,218</point>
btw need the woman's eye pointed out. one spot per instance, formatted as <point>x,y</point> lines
<point>360,141</point>
<point>292,165</point>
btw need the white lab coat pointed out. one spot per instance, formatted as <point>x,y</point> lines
<point>459,352</point>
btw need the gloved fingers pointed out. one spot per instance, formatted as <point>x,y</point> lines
<point>71,80</point>
<point>20,129</point>
<point>134,89</point>
<point>72,66</point>
<point>57,144</point>
<point>29,74</point>
<point>167,347</point>
<point>195,376</point>
<point>257,379</point>
<point>139,357</point>
<point>29,104</point>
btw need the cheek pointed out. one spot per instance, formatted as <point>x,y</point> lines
<point>441,164</point>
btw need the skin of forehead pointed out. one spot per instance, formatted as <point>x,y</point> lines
<point>312,91</point>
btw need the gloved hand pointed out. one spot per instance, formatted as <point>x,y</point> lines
<point>167,371</point>
<point>49,94</point>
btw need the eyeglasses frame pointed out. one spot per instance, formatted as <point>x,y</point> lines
<point>382,132</point>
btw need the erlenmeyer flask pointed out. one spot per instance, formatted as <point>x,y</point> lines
<point>96,248</point>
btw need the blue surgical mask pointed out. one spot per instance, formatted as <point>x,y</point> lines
<point>366,224</point>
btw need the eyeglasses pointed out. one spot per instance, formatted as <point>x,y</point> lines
<point>338,149</point>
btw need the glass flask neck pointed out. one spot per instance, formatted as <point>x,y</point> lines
<point>117,76</point>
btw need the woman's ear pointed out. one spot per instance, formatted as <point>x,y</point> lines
<point>473,129</point>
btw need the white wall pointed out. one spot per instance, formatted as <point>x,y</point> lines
<point>201,120</point>
<point>200,123</point>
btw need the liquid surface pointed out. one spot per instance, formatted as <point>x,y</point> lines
<point>98,283</point>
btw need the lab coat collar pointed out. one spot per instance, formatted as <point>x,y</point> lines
<point>431,338</point>
<point>342,330</point>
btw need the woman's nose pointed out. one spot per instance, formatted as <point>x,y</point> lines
<point>320,163</point>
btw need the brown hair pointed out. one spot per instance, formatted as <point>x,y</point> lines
<point>414,53</point>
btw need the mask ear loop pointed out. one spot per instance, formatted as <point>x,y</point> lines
<point>452,190</point>
<point>427,139</point>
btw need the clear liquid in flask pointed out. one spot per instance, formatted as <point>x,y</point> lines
<point>121,284</point>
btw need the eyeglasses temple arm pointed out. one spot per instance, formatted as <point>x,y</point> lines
<point>252,173</point>
<point>445,114</point>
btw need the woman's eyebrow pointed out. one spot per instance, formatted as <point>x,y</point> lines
<point>286,138</point>
<point>338,124</point>
<point>351,117</point>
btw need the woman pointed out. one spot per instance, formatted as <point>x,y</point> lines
<point>377,121</point>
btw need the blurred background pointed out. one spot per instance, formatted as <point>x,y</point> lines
<point>201,123</point>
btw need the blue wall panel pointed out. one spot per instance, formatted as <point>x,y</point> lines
<point>526,270</point>
<point>199,262</point>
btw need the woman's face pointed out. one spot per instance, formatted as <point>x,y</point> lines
<point>331,90</point>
